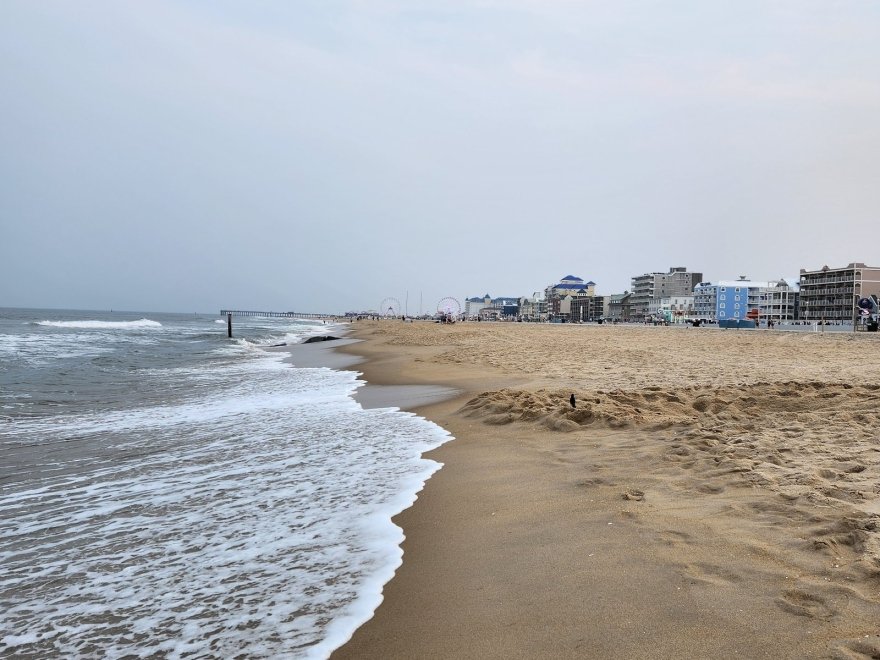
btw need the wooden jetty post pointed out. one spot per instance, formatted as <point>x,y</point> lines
<point>229,324</point>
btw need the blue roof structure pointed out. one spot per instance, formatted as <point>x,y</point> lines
<point>573,284</point>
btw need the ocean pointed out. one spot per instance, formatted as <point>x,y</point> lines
<point>168,492</point>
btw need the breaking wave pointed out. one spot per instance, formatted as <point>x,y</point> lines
<point>102,325</point>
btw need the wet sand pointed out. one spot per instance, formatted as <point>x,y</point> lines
<point>370,395</point>
<point>712,494</point>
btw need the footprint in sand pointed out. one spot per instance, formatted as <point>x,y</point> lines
<point>592,482</point>
<point>802,603</point>
<point>857,649</point>
<point>711,574</point>
<point>674,537</point>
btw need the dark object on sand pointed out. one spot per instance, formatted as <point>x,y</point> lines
<point>571,401</point>
<point>312,340</point>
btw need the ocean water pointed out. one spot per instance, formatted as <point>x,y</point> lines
<point>168,492</point>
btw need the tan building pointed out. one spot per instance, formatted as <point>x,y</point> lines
<point>559,298</point>
<point>832,293</point>
<point>654,286</point>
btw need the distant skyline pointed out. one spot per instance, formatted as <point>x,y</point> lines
<point>322,156</point>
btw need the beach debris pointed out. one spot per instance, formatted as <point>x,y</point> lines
<point>312,340</point>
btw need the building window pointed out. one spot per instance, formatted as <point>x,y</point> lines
<point>721,305</point>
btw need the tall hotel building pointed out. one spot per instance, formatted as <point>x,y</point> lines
<point>832,293</point>
<point>654,286</point>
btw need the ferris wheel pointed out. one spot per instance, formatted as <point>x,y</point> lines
<point>389,307</point>
<point>449,307</point>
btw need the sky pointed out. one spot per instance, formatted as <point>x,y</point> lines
<point>322,156</point>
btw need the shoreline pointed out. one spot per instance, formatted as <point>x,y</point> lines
<point>534,543</point>
<point>390,395</point>
<point>342,355</point>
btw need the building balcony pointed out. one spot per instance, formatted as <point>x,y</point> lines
<point>813,281</point>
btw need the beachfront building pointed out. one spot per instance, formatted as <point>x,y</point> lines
<point>570,285</point>
<point>473,306</point>
<point>744,298</point>
<point>832,293</point>
<point>502,309</point>
<point>617,307</point>
<point>559,297</point>
<point>654,286</point>
<point>532,308</point>
<point>584,309</point>
<point>488,308</point>
<point>672,309</point>
<point>781,299</point>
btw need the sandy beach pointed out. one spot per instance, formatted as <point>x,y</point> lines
<point>712,494</point>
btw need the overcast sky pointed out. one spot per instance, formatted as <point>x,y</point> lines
<point>322,156</point>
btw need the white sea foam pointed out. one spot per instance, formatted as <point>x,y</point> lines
<point>250,333</point>
<point>251,519</point>
<point>38,350</point>
<point>102,325</point>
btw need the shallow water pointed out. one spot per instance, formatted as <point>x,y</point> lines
<point>165,490</point>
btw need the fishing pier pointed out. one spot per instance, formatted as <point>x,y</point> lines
<point>229,313</point>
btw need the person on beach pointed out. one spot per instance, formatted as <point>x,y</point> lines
<point>571,400</point>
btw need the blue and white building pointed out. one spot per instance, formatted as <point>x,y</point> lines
<point>734,299</point>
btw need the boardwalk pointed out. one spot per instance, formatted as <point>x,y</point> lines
<point>279,315</point>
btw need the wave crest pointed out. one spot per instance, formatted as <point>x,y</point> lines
<point>103,325</point>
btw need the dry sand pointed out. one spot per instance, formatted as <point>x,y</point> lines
<point>713,494</point>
